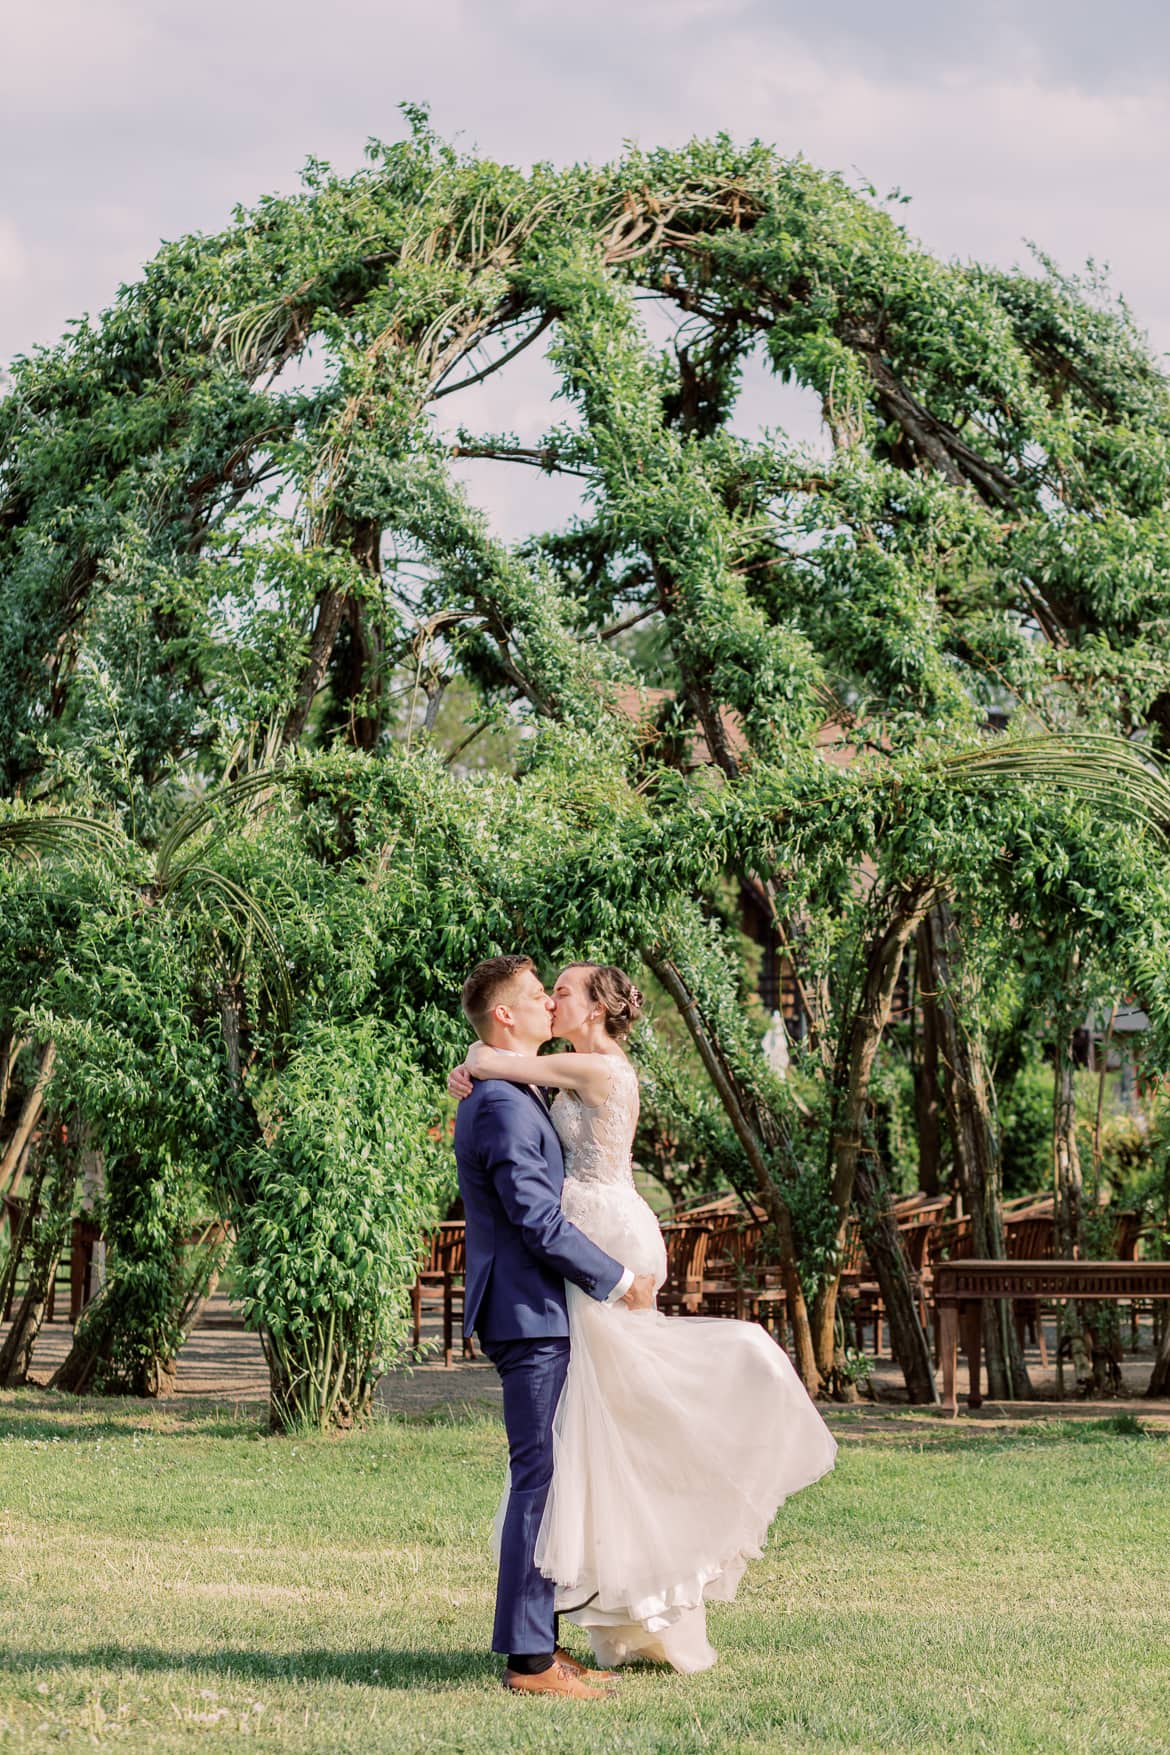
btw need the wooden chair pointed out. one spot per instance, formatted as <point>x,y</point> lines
<point>927,1211</point>
<point>711,1210</point>
<point>1029,1234</point>
<point>686,1256</point>
<point>439,1283</point>
<point>742,1282</point>
<point>726,1230</point>
<point>916,1236</point>
<point>1026,1203</point>
<point>767,1303</point>
<point>918,1224</point>
<point>86,1234</point>
<point>952,1241</point>
<point>1127,1247</point>
<point>918,1205</point>
<point>721,1265</point>
<point>859,1285</point>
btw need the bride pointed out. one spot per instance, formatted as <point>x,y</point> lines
<point>676,1438</point>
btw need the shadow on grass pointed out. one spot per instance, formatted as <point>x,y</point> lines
<point>972,1433</point>
<point>47,1416</point>
<point>465,1412</point>
<point>375,1667</point>
<point>53,1417</point>
<point>1092,1431</point>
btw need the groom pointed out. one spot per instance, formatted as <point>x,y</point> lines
<point>520,1252</point>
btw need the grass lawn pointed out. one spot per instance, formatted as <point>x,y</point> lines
<point>171,1579</point>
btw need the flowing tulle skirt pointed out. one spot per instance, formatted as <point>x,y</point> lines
<point>676,1439</point>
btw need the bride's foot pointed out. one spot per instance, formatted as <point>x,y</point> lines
<point>580,1669</point>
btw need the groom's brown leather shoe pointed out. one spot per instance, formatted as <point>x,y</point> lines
<point>559,1679</point>
<point>579,1669</point>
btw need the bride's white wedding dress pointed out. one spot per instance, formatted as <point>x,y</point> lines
<point>676,1438</point>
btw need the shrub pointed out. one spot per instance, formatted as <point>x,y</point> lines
<point>332,1208</point>
<point>1025,1117</point>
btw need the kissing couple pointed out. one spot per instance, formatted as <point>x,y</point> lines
<point>647,1454</point>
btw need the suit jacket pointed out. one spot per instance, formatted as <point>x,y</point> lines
<point>520,1247</point>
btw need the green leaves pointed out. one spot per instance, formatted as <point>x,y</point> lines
<point>25,835</point>
<point>338,1197</point>
<point>1112,772</point>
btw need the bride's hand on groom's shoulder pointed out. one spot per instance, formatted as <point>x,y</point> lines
<point>459,1082</point>
<point>475,1059</point>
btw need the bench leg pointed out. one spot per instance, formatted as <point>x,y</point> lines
<point>948,1348</point>
<point>76,1279</point>
<point>972,1319</point>
<point>448,1320</point>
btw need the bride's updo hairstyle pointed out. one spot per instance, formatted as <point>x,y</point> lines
<point>612,989</point>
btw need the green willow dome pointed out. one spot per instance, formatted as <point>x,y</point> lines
<point>235,544</point>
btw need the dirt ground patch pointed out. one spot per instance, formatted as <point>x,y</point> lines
<point>223,1363</point>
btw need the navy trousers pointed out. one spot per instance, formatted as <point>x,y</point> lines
<point>533,1374</point>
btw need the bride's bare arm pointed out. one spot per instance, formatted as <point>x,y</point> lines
<point>587,1074</point>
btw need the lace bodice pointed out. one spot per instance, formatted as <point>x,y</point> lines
<point>597,1140</point>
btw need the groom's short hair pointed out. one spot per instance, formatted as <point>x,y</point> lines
<point>483,985</point>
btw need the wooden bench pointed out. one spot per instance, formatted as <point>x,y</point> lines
<point>960,1288</point>
<point>84,1237</point>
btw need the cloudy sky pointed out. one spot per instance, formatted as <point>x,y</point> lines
<point>126,121</point>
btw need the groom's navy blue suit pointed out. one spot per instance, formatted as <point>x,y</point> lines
<point>520,1251</point>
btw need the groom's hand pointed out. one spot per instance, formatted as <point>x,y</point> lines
<point>641,1294</point>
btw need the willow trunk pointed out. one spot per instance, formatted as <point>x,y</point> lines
<point>48,1219</point>
<point>1159,1384</point>
<point>975,1142</point>
<point>929,1101</point>
<point>739,1107</point>
<point>883,955</point>
<point>883,1245</point>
